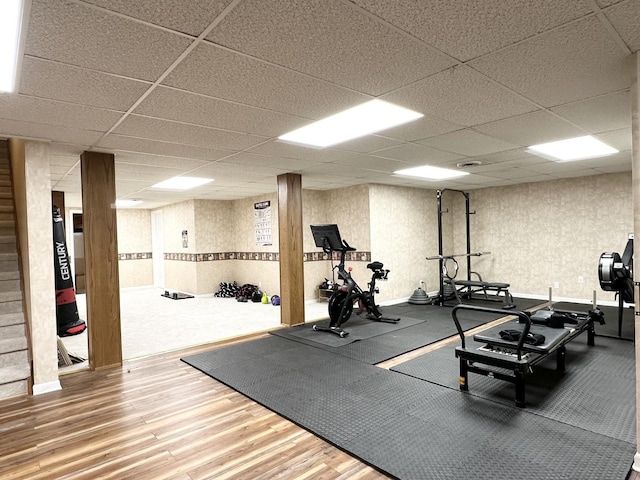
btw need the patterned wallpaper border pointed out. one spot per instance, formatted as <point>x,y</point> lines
<point>262,256</point>
<point>135,256</point>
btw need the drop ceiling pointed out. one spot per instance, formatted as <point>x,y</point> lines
<point>205,87</point>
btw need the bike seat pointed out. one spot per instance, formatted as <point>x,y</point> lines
<point>375,266</point>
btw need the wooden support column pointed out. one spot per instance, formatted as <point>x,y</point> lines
<point>101,257</point>
<point>291,249</point>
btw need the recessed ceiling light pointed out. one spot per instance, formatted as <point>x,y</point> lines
<point>578,148</point>
<point>430,173</point>
<point>10,22</point>
<point>127,203</point>
<point>370,117</point>
<point>182,183</point>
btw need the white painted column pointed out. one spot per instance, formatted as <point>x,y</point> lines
<point>32,190</point>
<point>635,135</point>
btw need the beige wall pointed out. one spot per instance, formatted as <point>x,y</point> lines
<point>134,242</point>
<point>546,232</point>
<point>403,233</point>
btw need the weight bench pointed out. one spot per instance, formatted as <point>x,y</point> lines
<point>511,361</point>
<point>467,288</point>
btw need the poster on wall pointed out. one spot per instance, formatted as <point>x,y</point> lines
<point>262,222</point>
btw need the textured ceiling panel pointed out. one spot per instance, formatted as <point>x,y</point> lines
<point>619,139</point>
<point>467,142</point>
<point>531,129</point>
<point>625,18</point>
<point>288,150</point>
<point>369,143</point>
<point>39,131</point>
<point>415,154</point>
<point>600,114</point>
<point>169,13</point>
<point>82,36</point>
<point>424,127</point>
<point>37,110</point>
<point>485,26</point>
<point>157,160</point>
<point>71,84</point>
<point>130,144</point>
<point>281,163</point>
<point>370,163</point>
<point>154,129</point>
<point>200,110</point>
<point>566,65</point>
<point>217,72</point>
<point>460,96</point>
<point>241,170</point>
<point>328,39</point>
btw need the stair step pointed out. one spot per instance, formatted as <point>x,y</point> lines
<point>10,296</point>
<point>9,265</point>
<point>14,358</point>
<point>14,389</point>
<point>11,319</point>
<point>10,307</point>
<point>8,247</point>
<point>14,373</point>
<point>12,332</point>
<point>8,345</point>
<point>6,224</point>
<point>7,217</point>
<point>15,275</point>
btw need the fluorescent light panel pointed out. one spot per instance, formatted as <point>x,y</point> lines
<point>578,148</point>
<point>369,117</point>
<point>10,21</point>
<point>182,183</point>
<point>127,203</point>
<point>431,173</point>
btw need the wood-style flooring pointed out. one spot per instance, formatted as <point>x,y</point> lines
<point>158,418</point>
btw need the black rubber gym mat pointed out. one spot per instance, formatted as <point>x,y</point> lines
<point>428,324</point>
<point>611,318</point>
<point>409,428</point>
<point>596,392</point>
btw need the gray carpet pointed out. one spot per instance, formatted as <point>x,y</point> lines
<point>376,342</point>
<point>411,428</point>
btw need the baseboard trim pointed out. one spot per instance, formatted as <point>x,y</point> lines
<point>40,388</point>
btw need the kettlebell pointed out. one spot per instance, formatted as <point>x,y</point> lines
<point>265,298</point>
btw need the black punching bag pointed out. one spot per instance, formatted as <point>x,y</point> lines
<point>67,318</point>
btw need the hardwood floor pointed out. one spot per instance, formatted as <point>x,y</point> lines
<point>158,418</point>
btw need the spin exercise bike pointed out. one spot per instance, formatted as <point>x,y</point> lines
<point>342,300</point>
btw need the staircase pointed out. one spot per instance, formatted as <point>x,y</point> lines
<point>14,354</point>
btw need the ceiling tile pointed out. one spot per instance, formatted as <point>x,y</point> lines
<point>530,129</point>
<point>38,110</point>
<point>166,131</point>
<point>599,114</point>
<point>71,84</point>
<point>624,18</point>
<point>460,96</point>
<point>187,107</point>
<point>618,139</point>
<point>424,127</point>
<point>467,142</point>
<point>571,63</point>
<point>220,73</point>
<point>39,131</point>
<point>288,150</point>
<point>80,35</point>
<point>222,168</point>
<point>158,160</point>
<point>371,163</point>
<point>415,154</point>
<point>280,163</point>
<point>169,13</point>
<point>115,143</point>
<point>331,40</point>
<point>485,26</point>
<point>369,143</point>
